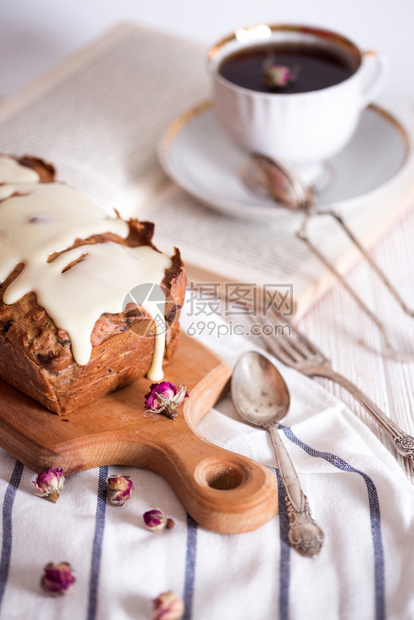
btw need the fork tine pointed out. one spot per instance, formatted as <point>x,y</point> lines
<point>291,346</point>
<point>274,346</point>
<point>280,345</point>
<point>308,346</point>
<point>301,351</point>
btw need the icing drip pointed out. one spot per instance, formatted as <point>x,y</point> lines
<point>13,172</point>
<point>46,218</point>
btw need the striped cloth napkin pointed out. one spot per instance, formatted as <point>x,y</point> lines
<point>357,492</point>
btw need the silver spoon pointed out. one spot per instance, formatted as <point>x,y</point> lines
<point>283,184</point>
<point>261,397</point>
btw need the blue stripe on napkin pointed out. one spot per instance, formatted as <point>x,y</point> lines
<point>97,544</point>
<point>374,512</point>
<point>6,546</point>
<point>284,551</point>
<point>190,562</point>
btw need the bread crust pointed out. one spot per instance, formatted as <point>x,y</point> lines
<point>46,171</point>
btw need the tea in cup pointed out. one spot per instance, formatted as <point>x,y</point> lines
<point>290,92</point>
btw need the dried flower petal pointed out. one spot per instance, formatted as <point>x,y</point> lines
<point>278,76</point>
<point>164,398</point>
<point>155,520</point>
<point>119,489</point>
<point>49,483</point>
<point>168,606</point>
<point>57,578</point>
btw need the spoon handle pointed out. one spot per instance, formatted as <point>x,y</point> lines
<point>304,534</point>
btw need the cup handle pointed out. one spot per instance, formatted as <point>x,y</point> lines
<point>376,71</point>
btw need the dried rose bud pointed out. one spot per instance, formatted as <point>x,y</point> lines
<point>49,483</point>
<point>155,520</point>
<point>278,76</point>
<point>168,606</point>
<point>57,578</point>
<point>118,489</point>
<point>164,398</point>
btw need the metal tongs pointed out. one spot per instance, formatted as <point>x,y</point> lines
<point>284,185</point>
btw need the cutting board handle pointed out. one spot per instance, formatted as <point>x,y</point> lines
<point>223,491</point>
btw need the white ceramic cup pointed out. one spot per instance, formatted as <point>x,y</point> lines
<point>302,129</point>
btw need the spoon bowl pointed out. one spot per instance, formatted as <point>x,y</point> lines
<point>259,391</point>
<point>261,397</point>
<point>280,181</point>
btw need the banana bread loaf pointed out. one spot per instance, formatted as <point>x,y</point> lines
<point>77,318</point>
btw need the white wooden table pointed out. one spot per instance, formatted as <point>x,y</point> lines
<point>352,342</point>
<point>119,567</point>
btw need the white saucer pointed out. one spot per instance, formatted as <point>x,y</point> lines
<point>199,157</point>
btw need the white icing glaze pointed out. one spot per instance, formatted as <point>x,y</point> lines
<point>47,218</point>
<point>12,174</point>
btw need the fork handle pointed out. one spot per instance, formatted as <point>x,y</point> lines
<point>403,443</point>
<point>304,534</point>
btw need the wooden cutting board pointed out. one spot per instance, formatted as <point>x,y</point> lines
<point>222,491</point>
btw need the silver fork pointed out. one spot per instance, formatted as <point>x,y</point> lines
<point>294,349</point>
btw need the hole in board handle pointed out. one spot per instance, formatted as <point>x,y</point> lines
<point>221,475</point>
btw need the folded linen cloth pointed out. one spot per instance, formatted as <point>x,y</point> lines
<point>357,492</point>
